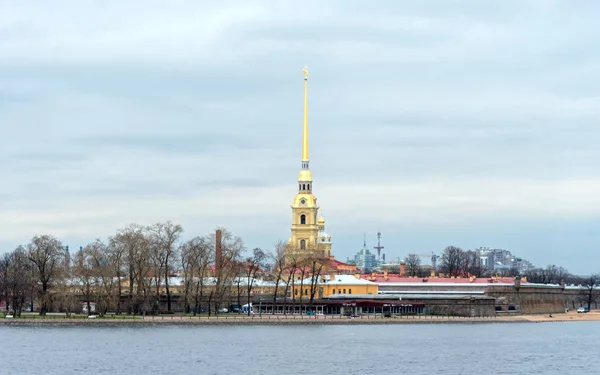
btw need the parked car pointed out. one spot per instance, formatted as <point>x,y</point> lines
<point>223,310</point>
<point>583,310</point>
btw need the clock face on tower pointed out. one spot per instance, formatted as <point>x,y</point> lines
<point>302,201</point>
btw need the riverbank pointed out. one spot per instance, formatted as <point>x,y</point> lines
<point>571,316</point>
<point>293,320</point>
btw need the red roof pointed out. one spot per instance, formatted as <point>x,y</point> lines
<point>395,278</point>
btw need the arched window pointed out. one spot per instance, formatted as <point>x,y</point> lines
<point>299,186</point>
<point>303,186</point>
<point>308,187</point>
<point>302,244</point>
<point>302,219</point>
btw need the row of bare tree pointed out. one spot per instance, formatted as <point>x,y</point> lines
<point>133,269</point>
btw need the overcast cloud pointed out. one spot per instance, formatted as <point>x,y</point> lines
<point>438,122</point>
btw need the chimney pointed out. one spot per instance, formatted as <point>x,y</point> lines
<point>385,274</point>
<point>402,269</point>
<point>331,277</point>
<point>432,273</point>
<point>218,252</point>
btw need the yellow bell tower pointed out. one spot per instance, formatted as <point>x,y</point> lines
<point>304,208</point>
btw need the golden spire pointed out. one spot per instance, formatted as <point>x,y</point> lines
<point>305,124</point>
<point>305,171</point>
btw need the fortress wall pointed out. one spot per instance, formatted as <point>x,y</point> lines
<point>528,299</point>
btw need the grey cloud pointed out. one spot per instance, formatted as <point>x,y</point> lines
<point>170,104</point>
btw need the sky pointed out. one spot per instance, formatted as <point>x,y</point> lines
<point>464,123</point>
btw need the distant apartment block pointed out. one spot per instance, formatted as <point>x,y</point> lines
<point>501,259</point>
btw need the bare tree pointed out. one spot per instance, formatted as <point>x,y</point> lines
<point>451,262</point>
<point>143,280</point>
<point>471,264</point>
<point>189,257</point>
<point>591,292</point>
<point>84,276</point>
<point>291,269</point>
<point>231,249</point>
<point>165,237</point>
<point>205,256</point>
<point>252,266</point>
<point>15,279</point>
<point>413,265</point>
<point>116,262</point>
<point>316,260</point>
<point>102,258</point>
<point>130,241</point>
<point>48,256</point>
<point>511,272</point>
<point>549,275</point>
<point>278,258</point>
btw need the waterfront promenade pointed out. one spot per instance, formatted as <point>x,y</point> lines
<point>235,319</point>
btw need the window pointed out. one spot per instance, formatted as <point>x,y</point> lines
<point>308,187</point>
<point>339,291</point>
<point>299,186</point>
<point>302,244</point>
<point>333,291</point>
<point>302,219</point>
<point>349,291</point>
<point>344,291</point>
<point>303,186</point>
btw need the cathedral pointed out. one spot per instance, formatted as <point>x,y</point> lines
<point>308,232</point>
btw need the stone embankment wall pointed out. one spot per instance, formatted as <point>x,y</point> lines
<point>575,298</point>
<point>467,307</point>
<point>527,299</point>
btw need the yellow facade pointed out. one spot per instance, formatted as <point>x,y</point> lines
<point>332,285</point>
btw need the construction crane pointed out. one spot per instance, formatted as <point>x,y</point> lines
<point>433,257</point>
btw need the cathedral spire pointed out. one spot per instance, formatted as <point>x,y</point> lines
<point>305,123</point>
<point>305,175</point>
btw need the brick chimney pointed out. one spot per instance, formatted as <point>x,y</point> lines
<point>402,269</point>
<point>218,253</point>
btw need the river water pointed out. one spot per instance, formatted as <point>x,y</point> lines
<point>516,348</point>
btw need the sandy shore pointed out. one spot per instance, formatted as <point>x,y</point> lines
<point>301,320</point>
<point>572,316</point>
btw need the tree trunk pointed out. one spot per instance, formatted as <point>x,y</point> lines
<point>239,298</point>
<point>119,296</point>
<point>44,306</point>
<point>130,307</point>
<point>89,308</point>
<point>275,293</point>
<point>167,286</point>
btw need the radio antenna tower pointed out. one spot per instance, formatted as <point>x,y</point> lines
<point>378,247</point>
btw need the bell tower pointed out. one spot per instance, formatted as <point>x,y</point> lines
<point>304,207</point>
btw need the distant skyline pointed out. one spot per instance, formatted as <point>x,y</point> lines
<point>439,123</point>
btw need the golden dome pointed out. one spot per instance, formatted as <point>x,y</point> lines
<point>321,221</point>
